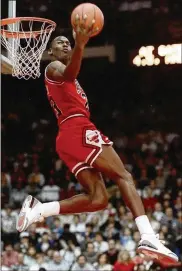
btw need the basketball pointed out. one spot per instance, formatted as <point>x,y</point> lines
<point>90,11</point>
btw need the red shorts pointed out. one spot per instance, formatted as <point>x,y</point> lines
<point>79,143</point>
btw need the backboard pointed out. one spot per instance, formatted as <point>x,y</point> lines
<point>6,66</point>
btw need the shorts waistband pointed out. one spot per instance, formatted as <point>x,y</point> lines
<point>72,116</point>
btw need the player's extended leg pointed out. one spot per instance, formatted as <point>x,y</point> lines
<point>94,199</point>
<point>109,163</point>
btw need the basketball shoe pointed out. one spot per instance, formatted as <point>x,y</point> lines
<point>30,212</point>
<point>154,248</point>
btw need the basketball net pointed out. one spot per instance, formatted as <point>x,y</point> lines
<point>26,46</point>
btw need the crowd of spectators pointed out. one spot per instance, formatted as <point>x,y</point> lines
<point>101,241</point>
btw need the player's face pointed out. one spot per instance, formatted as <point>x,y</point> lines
<point>61,48</point>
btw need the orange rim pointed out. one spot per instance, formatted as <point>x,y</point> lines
<point>26,34</point>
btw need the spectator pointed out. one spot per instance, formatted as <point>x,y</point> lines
<point>18,195</point>
<point>178,204</point>
<point>103,263</point>
<point>34,236</point>
<point>169,220</point>
<point>99,244</point>
<point>82,265</point>
<point>36,177</point>
<point>158,213</point>
<point>40,263</point>
<point>160,179</point>
<point>89,234</point>
<point>30,258</point>
<point>57,227</point>
<point>144,180</point>
<point>50,191</point>
<point>149,201</point>
<point>77,225</point>
<point>155,192</point>
<point>128,221</point>
<point>49,255</point>
<point>67,235</point>
<point>20,266</point>
<point>6,177</point>
<point>32,189</point>
<point>44,243</point>
<point>127,241</point>
<point>90,254</point>
<point>10,257</point>
<point>179,222</point>
<point>124,262</point>
<point>5,189</point>
<point>57,264</point>
<point>70,253</point>
<point>24,241</point>
<point>8,226</point>
<point>111,232</point>
<point>112,252</point>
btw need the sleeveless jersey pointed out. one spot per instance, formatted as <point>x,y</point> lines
<point>67,99</point>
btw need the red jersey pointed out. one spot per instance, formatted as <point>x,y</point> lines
<point>67,99</point>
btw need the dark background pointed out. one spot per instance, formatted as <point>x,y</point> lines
<point>122,97</point>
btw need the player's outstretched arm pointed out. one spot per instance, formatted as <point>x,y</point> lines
<point>57,70</point>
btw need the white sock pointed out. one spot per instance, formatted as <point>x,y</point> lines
<point>50,208</point>
<point>144,227</point>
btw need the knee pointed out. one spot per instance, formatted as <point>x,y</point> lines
<point>124,176</point>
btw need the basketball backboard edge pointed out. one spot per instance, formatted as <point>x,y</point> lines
<point>6,66</point>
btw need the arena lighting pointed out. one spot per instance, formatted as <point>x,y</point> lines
<point>155,55</point>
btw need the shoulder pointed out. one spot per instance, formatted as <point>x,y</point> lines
<point>54,70</point>
<point>55,64</point>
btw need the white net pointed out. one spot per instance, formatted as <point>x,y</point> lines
<point>26,46</point>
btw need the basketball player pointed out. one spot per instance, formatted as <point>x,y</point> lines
<point>85,150</point>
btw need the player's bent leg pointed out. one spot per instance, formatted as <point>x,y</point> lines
<point>109,163</point>
<point>94,199</point>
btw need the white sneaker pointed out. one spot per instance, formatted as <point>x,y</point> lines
<point>30,213</point>
<point>155,249</point>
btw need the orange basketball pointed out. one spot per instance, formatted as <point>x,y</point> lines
<point>90,11</point>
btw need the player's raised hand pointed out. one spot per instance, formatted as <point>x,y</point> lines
<point>81,32</point>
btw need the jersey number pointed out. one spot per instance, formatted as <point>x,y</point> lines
<point>55,107</point>
<point>81,92</point>
<point>86,101</point>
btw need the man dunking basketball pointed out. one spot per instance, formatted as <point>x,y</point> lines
<point>85,150</point>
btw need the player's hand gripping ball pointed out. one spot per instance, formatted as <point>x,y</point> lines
<point>89,18</point>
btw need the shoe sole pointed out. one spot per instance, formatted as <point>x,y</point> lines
<point>157,255</point>
<point>22,222</point>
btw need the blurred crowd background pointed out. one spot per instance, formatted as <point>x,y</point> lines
<point>140,109</point>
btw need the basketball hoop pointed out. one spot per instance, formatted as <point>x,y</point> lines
<point>25,39</point>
